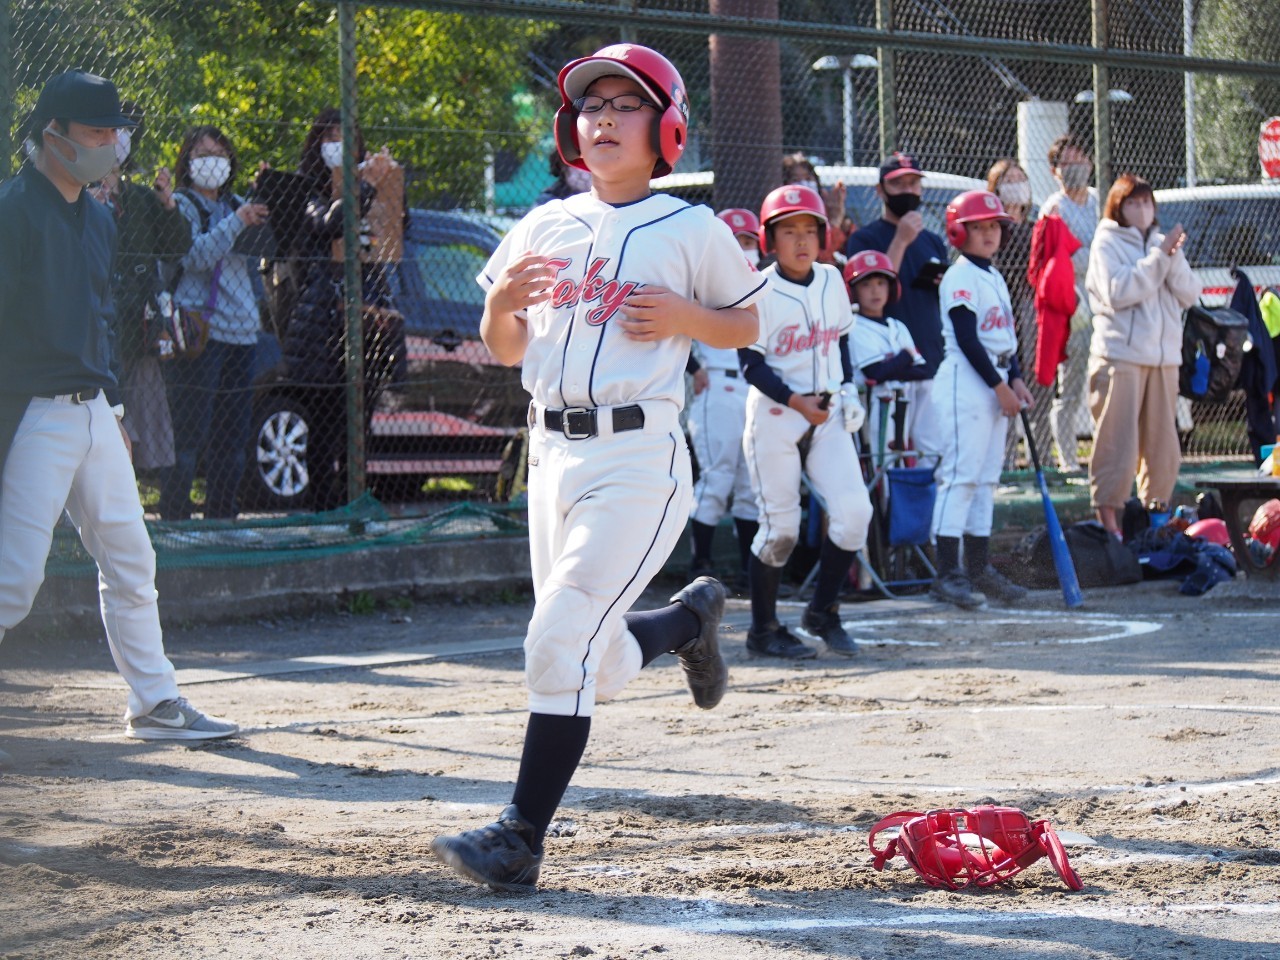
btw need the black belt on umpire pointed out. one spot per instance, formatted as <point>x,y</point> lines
<point>79,396</point>
<point>582,423</point>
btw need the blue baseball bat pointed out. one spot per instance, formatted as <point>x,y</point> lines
<point>1062,561</point>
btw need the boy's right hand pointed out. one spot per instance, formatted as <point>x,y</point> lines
<point>1010,405</point>
<point>523,282</point>
<point>813,408</point>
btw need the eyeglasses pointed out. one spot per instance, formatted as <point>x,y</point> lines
<point>623,103</point>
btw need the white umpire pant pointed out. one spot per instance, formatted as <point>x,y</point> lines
<point>972,430</point>
<point>770,443</point>
<point>71,456</point>
<point>717,418</point>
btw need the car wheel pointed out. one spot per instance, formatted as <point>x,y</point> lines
<point>278,473</point>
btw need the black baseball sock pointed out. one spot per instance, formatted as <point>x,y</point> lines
<point>553,748</point>
<point>977,554</point>
<point>662,631</point>
<point>746,530</point>
<point>764,592</point>
<point>833,571</point>
<point>948,554</point>
<point>703,534</point>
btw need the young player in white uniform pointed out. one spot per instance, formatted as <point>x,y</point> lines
<point>977,389</point>
<point>599,295</point>
<point>717,417</point>
<point>884,356</point>
<point>796,370</point>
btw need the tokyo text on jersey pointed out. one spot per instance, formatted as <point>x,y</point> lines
<point>984,292</point>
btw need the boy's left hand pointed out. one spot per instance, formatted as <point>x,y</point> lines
<point>655,313</point>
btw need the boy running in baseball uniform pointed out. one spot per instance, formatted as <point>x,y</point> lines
<point>799,418</point>
<point>977,389</point>
<point>716,420</point>
<point>598,295</point>
<point>883,353</point>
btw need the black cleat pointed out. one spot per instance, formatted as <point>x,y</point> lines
<point>704,668</point>
<point>995,584</point>
<point>774,640</point>
<point>825,625</point>
<point>500,855</point>
<point>954,587</point>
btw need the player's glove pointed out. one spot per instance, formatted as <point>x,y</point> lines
<point>854,412</point>
<point>979,847</point>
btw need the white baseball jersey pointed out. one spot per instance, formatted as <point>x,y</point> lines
<point>800,330</point>
<point>971,427</point>
<point>872,341</point>
<point>600,255</point>
<point>606,511</point>
<point>985,293</point>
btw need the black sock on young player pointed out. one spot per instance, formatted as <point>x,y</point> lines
<point>833,571</point>
<point>948,554</point>
<point>703,534</point>
<point>662,631</point>
<point>553,748</point>
<point>764,592</point>
<point>977,554</point>
<point>746,530</point>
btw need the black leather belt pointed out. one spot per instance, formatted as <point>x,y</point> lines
<point>79,396</point>
<point>1004,360</point>
<point>731,374</point>
<point>580,423</point>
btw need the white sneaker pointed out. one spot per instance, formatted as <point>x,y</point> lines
<point>179,720</point>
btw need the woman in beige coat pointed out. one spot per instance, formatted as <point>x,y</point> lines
<point>1138,283</point>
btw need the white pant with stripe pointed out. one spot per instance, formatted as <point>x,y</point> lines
<point>971,430</point>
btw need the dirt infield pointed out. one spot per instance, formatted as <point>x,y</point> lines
<point>1147,726</point>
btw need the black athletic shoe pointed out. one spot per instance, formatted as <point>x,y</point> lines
<point>773,640</point>
<point>954,587</point>
<point>704,668</point>
<point>995,584</point>
<point>500,855</point>
<point>826,626</point>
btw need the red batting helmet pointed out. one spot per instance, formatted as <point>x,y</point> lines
<point>791,201</point>
<point>657,77</point>
<point>869,263</point>
<point>740,221</point>
<point>970,207</point>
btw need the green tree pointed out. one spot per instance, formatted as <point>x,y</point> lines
<point>1230,108</point>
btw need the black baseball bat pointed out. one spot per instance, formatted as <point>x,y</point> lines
<point>1062,561</point>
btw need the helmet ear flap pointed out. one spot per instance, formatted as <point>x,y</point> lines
<point>668,140</point>
<point>957,234</point>
<point>566,135</point>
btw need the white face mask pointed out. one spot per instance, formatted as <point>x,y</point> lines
<point>210,173</point>
<point>811,184</point>
<point>331,153</point>
<point>124,143</point>
<point>753,255</point>
<point>1015,194</point>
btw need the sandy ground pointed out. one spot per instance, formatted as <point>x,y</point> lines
<point>1146,727</point>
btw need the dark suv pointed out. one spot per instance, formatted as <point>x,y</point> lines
<point>449,410</point>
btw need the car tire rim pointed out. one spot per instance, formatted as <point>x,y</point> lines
<point>282,454</point>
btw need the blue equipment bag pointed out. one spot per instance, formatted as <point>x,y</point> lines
<point>911,495</point>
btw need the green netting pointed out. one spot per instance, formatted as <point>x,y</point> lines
<point>268,541</point>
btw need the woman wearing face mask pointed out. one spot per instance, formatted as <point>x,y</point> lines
<point>210,396</point>
<point>798,169</point>
<point>152,232</point>
<point>1138,283</point>
<point>314,340</point>
<point>1009,182</point>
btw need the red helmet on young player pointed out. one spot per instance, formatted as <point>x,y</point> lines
<point>869,263</point>
<point>740,221</point>
<point>791,201</point>
<point>656,76</point>
<point>970,207</point>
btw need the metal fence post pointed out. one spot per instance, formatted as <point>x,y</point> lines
<point>1101,100</point>
<point>887,89</point>
<point>352,279</point>
<point>6,93</point>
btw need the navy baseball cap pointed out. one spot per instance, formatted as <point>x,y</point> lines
<point>899,164</point>
<point>83,97</point>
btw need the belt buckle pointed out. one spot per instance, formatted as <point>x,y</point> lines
<point>567,429</point>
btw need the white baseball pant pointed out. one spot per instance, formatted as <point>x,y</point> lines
<point>972,430</point>
<point>717,419</point>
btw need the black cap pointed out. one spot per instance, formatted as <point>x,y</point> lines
<point>83,97</point>
<point>899,164</point>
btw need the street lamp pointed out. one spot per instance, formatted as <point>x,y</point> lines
<point>858,61</point>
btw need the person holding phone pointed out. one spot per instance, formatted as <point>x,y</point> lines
<point>1139,282</point>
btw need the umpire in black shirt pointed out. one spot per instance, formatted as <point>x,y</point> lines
<point>61,443</point>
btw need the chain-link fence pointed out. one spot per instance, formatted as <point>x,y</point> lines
<point>403,138</point>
